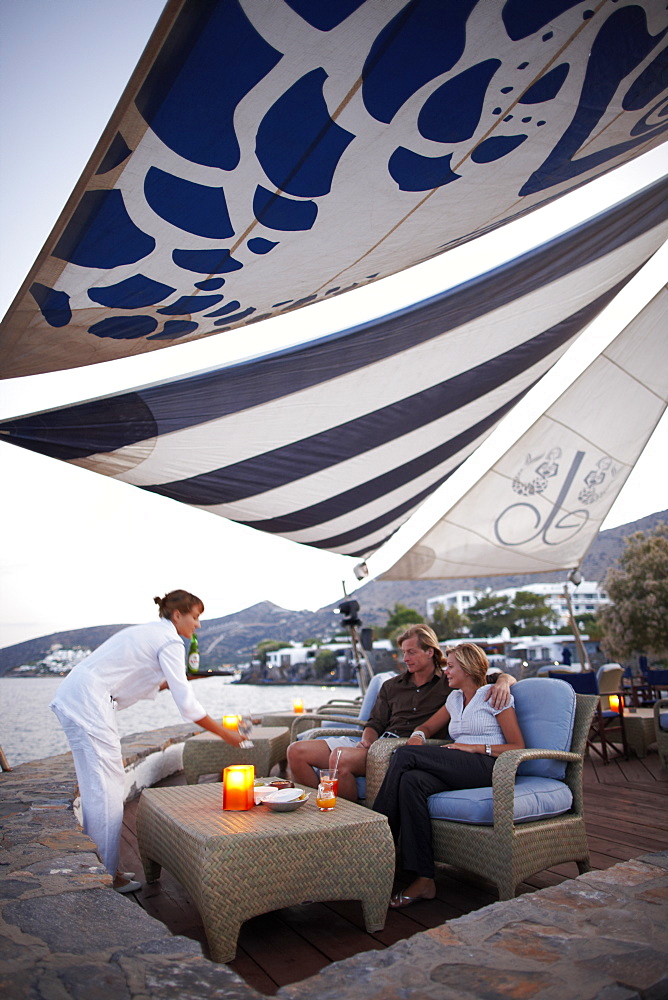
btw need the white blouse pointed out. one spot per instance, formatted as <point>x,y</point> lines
<point>129,666</point>
<point>475,723</point>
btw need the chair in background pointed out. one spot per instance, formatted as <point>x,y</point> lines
<point>607,726</point>
<point>661,729</point>
<point>340,720</point>
<point>656,681</point>
<point>609,680</point>
<point>532,817</point>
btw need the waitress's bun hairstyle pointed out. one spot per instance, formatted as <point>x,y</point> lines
<point>177,600</point>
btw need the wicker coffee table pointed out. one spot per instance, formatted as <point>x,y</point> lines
<point>236,865</point>
<point>207,753</point>
<point>639,725</point>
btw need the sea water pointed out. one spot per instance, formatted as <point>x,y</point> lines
<point>29,730</point>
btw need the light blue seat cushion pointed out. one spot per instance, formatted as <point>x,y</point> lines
<point>535,798</point>
<point>545,710</point>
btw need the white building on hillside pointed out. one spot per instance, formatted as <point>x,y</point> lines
<point>586,598</point>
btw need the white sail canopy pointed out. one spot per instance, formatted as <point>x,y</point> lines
<point>334,444</point>
<point>539,508</point>
<point>268,154</point>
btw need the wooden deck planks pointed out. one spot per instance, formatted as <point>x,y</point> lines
<point>626,809</point>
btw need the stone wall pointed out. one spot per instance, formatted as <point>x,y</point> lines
<point>64,933</point>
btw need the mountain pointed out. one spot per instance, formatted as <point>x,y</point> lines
<point>233,638</point>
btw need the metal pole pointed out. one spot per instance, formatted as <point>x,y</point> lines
<point>582,652</point>
<point>364,660</point>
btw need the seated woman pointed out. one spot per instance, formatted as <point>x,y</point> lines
<point>481,733</point>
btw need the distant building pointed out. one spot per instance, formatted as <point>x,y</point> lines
<point>586,598</point>
<point>57,661</point>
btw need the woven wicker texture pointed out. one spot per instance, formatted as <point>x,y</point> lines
<point>314,720</point>
<point>239,864</point>
<point>206,753</point>
<point>639,729</point>
<point>506,853</point>
<point>660,735</point>
<point>378,760</point>
<point>336,707</point>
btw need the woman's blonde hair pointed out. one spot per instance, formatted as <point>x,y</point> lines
<point>427,639</point>
<point>472,659</point>
<point>177,600</point>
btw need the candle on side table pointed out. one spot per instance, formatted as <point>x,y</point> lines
<point>238,784</point>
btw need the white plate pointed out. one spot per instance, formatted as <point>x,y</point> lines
<point>282,806</point>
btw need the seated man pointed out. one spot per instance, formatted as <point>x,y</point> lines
<point>403,704</point>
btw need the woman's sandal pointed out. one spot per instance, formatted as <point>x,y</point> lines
<point>398,901</point>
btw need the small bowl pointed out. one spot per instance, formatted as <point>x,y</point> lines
<point>278,806</point>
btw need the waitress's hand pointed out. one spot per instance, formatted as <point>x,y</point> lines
<point>232,737</point>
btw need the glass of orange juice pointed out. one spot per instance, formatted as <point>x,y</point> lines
<point>327,790</point>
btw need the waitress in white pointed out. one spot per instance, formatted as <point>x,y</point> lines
<point>135,663</point>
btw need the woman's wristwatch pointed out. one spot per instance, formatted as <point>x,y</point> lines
<point>488,750</point>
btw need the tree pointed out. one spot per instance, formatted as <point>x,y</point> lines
<point>448,623</point>
<point>490,614</point>
<point>588,624</point>
<point>637,620</point>
<point>400,617</point>
<point>325,663</point>
<point>268,646</point>
<point>531,614</point>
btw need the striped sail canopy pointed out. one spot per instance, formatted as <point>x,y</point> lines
<point>267,154</point>
<point>539,508</point>
<point>334,444</point>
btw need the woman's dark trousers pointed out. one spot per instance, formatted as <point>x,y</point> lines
<point>414,774</point>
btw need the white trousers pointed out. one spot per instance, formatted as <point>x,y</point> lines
<point>101,777</point>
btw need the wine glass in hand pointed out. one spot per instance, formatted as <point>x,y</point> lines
<point>245,731</point>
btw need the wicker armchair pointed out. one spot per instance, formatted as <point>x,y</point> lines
<point>506,852</point>
<point>377,763</point>
<point>328,714</point>
<point>661,732</point>
<point>350,725</point>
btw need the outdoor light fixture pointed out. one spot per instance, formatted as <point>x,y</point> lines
<point>575,577</point>
<point>361,570</point>
<point>349,610</point>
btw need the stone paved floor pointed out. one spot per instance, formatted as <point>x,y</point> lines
<point>65,934</point>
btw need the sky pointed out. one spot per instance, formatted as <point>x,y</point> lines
<point>80,549</point>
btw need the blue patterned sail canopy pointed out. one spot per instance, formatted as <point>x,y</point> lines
<point>267,154</point>
<point>335,444</point>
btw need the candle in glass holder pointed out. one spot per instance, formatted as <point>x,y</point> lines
<point>297,705</point>
<point>238,784</point>
<point>613,701</point>
<point>231,722</point>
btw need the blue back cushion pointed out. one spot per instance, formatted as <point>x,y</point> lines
<point>545,710</point>
<point>371,692</point>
